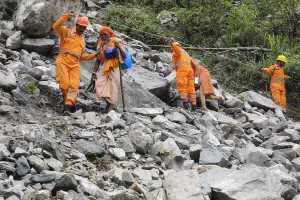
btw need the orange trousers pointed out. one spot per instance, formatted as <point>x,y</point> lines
<point>68,77</point>
<point>185,84</point>
<point>278,94</point>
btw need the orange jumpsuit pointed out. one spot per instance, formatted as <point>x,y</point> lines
<point>67,63</point>
<point>277,84</point>
<point>184,74</point>
<point>204,78</point>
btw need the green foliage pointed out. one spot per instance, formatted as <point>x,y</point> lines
<point>64,167</point>
<point>276,43</point>
<point>102,164</point>
<point>272,24</point>
<point>244,27</point>
<point>135,22</point>
<point>30,88</point>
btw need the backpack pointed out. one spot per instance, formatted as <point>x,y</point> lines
<point>127,61</point>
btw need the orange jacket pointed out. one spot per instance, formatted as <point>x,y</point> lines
<point>70,41</point>
<point>180,57</point>
<point>109,63</point>
<point>277,74</point>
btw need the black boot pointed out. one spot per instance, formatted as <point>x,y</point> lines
<point>73,109</point>
<point>194,107</point>
<point>186,105</point>
<point>67,110</point>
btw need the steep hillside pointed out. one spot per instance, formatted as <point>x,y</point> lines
<point>221,24</point>
<point>240,150</point>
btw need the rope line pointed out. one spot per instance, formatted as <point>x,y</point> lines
<point>153,34</point>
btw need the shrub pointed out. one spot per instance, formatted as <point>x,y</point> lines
<point>137,23</point>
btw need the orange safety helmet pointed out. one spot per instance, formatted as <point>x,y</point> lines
<point>82,21</point>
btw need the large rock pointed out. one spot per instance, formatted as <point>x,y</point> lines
<point>140,140</point>
<point>235,103</point>
<point>212,156</point>
<point>6,24</point>
<point>22,166</point>
<point>148,111</point>
<point>3,151</point>
<point>38,45</point>
<point>296,163</point>
<point>37,163</point>
<point>126,195</point>
<point>176,117</point>
<point>51,90</point>
<point>151,81</point>
<point>260,184</point>
<point>7,80</point>
<point>259,159</point>
<point>125,144</point>
<point>134,93</point>
<point>24,68</point>
<point>35,17</point>
<point>257,100</point>
<point>259,121</point>
<point>223,119</point>
<point>171,154</point>
<point>89,148</point>
<point>14,42</point>
<point>53,164</point>
<point>47,143</point>
<point>90,188</point>
<point>66,182</point>
<point>183,185</point>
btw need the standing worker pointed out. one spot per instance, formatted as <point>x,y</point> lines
<point>277,81</point>
<point>204,80</point>
<point>71,50</point>
<point>184,74</point>
<point>108,79</point>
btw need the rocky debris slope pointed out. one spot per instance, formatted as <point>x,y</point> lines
<point>241,150</point>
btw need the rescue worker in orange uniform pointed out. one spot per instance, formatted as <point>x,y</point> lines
<point>184,75</point>
<point>206,86</point>
<point>71,50</point>
<point>277,81</point>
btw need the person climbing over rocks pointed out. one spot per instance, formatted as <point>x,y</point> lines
<point>71,48</point>
<point>111,56</point>
<point>277,86</point>
<point>184,75</point>
<point>205,83</point>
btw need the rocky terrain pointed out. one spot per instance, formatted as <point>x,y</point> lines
<point>239,150</point>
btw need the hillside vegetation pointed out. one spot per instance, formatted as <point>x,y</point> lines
<point>272,24</point>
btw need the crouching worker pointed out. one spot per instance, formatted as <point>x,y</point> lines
<point>277,81</point>
<point>184,75</point>
<point>204,80</point>
<point>71,50</point>
<point>110,57</point>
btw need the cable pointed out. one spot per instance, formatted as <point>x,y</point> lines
<point>166,38</point>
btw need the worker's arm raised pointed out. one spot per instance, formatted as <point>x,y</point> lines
<point>58,25</point>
